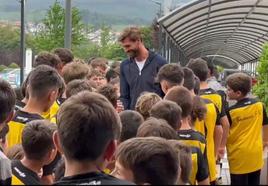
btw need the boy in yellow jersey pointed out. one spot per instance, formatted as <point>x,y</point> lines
<point>210,126</point>
<point>39,150</point>
<point>183,98</point>
<point>200,69</point>
<point>43,88</point>
<point>245,142</point>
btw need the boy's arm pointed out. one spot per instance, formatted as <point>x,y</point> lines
<point>265,128</point>
<point>217,138</point>
<point>225,126</point>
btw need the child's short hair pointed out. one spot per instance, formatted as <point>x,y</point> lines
<point>43,79</point>
<point>185,156</point>
<point>131,120</point>
<point>110,92</point>
<point>199,67</point>
<point>99,62</point>
<point>87,120</point>
<point>15,152</point>
<point>46,58</point>
<point>64,54</point>
<point>183,98</point>
<point>3,133</point>
<point>196,85</point>
<point>111,74</point>
<point>145,102</point>
<point>76,86</point>
<point>189,78</point>
<point>239,82</point>
<point>75,70</point>
<point>169,111</point>
<point>156,127</point>
<point>37,139</point>
<point>172,73</point>
<point>7,100</point>
<point>152,160</point>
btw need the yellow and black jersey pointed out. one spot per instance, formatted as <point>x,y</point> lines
<point>216,98</point>
<point>16,126</point>
<point>51,113</point>
<point>199,170</point>
<point>244,143</point>
<point>207,128</point>
<point>193,138</point>
<point>21,175</point>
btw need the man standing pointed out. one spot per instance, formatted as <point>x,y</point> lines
<point>138,72</point>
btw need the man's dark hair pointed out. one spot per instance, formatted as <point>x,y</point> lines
<point>172,73</point>
<point>152,160</point>
<point>64,54</point>
<point>110,92</point>
<point>46,58</point>
<point>131,120</point>
<point>76,86</point>
<point>43,79</point>
<point>239,82</point>
<point>183,98</point>
<point>199,67</point>
<point>87,122</point>
<point>189,78</point>
<point>156,127</point>
<point>168,111</point>
<point>37,139</point>
<point>7,100</point>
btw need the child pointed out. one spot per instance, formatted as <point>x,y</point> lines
<point>145,103</point>
<point>183,98</point>
<point>200,69</point>
<point>245,141</point>
<point>76,86</point>
<point>169,111</point>
<point>110,93</point>
<point>209,126</point>
<point>157,128</point>
<point>185,157</point>
<point>88,127</point>
<point>131,120</point>
<point>170,75</point>
<point>39,150</point>
<point>52,60</point>
<point>7,102</point>
<point>66,56</point>
<point>43,89</point>
<point>147,161</point>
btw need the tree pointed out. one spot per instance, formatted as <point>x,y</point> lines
<point>52,35</point>
<point>261,88</point>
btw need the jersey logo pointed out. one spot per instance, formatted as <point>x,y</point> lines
<point>19,172</point>
<point>185,135</point>
<point>23,119</point>
<point>91,183</point>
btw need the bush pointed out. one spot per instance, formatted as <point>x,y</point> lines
<point>13,65</point>
<point>261,88</point>
<point>2,67</point>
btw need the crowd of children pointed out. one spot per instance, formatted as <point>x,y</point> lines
<point>67,126</point>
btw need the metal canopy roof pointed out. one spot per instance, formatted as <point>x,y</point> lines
<point>233,29</point>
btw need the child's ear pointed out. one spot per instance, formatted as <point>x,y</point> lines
<point>109,152</point>
<point>10,116</point>
<point>53,95</point>
<point>56,141</point>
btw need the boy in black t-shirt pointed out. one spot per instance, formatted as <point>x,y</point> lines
<point>88,127</point>
<point>37,144</point>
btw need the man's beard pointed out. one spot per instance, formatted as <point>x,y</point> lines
<point>133,53</point>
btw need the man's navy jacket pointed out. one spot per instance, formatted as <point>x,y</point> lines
<point>133,83</point>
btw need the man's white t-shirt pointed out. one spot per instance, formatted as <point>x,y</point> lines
<point>140,65</point>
